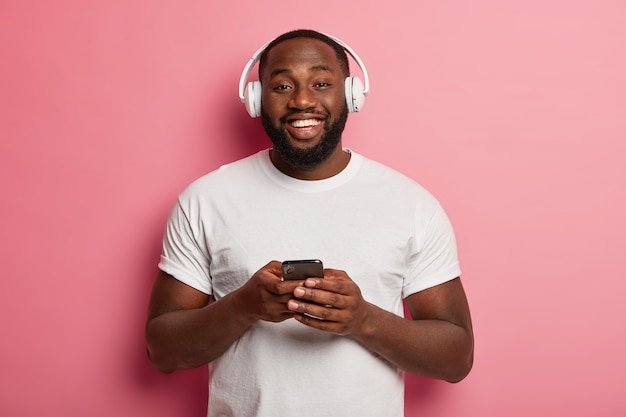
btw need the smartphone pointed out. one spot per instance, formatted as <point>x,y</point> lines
<point>303,269</point>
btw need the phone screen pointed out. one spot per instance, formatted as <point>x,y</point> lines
<point>303,269</point>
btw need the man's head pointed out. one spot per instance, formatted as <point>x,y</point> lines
<point>303,107</point>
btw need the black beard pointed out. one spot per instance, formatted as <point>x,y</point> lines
<point>305,158</point>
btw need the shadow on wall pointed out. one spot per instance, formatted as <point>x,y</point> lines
<point>184,391</point>
<point>418,392</point>
<point>248,132</point>
<point>229,133</point>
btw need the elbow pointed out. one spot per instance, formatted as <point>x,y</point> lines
<point>166,360</point>
<point>462,368</point>
<point>158,354</point>
<point>167,355</point>
<point>463,358</point>
<point>460,374</point>
<point>159,362</point>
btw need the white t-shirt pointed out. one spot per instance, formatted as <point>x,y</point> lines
<point>387,232</point>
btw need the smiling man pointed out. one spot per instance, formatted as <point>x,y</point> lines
<point>333,345</point>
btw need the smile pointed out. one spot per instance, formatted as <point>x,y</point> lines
<point>304,129</point>
<point>305,123</point>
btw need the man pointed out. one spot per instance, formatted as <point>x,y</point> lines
<point>331,346</point>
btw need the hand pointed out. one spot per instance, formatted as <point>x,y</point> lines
<point>265,295</point>
<point>333,304</point>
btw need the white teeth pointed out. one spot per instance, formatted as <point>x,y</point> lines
<point>305,123</point>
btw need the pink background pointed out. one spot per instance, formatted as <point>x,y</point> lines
<point>512,113</point>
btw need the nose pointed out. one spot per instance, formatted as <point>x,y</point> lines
<point>302,98</point>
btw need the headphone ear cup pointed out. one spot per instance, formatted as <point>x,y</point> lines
<point>252,98</point>
<point>355,98</point>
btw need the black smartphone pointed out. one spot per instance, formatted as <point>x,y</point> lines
<point>303,269</point>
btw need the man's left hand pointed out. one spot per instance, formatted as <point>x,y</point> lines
<point>333,304</point>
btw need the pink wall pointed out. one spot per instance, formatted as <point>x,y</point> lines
<point>512,113</point>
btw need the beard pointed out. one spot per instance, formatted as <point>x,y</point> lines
<point>310,157</point>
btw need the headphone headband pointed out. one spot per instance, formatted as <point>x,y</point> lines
<point>357,90</point>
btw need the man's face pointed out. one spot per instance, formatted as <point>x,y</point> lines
<point>303,107</point>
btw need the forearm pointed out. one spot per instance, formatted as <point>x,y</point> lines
<point>433,348</point>
<point>188,338</point>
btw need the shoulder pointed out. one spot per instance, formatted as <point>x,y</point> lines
<point>226,177</point>
<point>390,181</point>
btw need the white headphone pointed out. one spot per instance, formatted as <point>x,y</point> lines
<point>355,91</point>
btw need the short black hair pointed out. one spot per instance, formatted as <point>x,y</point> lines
<point>307,33</point>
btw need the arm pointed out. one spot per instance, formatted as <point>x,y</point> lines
<point>184,330</point>
<point>437,343</point>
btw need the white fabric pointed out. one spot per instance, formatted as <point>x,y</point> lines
<point>387,232</point>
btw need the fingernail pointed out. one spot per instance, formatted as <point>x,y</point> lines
<point>292,305</point>
<point>298,292</point>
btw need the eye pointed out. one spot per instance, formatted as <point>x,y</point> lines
<point>322,85</point>
<point>281,88</point>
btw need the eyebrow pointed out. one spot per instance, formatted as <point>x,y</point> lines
<point>314,68</point>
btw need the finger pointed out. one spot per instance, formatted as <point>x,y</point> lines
<point>330,326</point>
<point>274,267</point>
<point>342,286</point>
<point>319,312</point>
<point>271,275</point>
<point>320,296</point>
<point>283,288</point>
<point>336,274</point>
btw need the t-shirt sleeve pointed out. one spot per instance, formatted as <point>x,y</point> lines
<point>183,256</point>
<point>434,259</point>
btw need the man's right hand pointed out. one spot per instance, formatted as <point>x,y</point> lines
<point>185,330</point>
<point>265,295</point>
